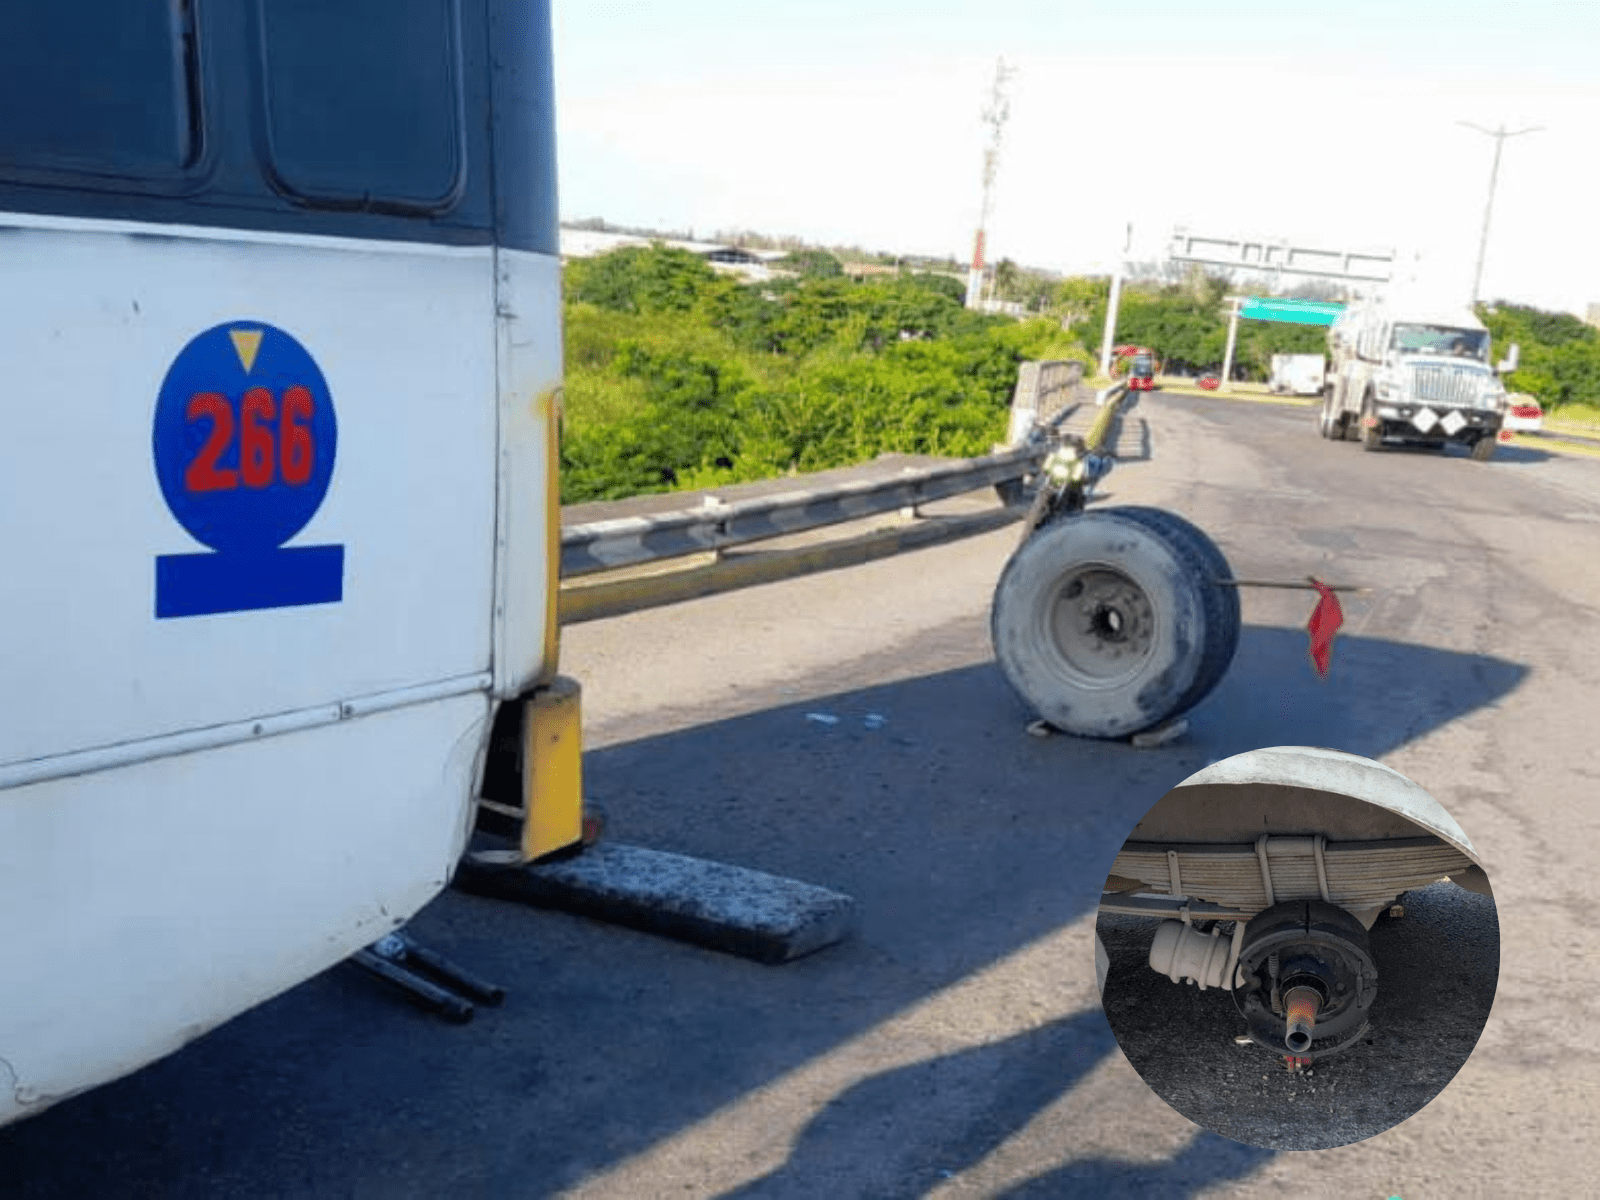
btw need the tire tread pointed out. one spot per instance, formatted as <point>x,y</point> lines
<point>1201,562</point>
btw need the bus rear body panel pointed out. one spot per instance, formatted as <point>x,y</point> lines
<point>404,343</point>
<point>277,495</point>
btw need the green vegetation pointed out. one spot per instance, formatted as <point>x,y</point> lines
<point>1559,361</point>
<point>1187,326</point>
<point>677,377</point>
<point>812,264</point>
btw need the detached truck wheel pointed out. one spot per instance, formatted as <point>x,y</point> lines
<point>1110,622</point>
<point>1483,448</point>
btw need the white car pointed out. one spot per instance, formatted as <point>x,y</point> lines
<point>1523,414</point>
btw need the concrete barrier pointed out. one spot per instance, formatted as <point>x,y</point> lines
<point>1043,390</point>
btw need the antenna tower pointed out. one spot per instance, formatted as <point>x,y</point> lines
<point>994,118</point>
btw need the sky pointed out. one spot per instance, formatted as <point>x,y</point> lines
<point>858,123</point>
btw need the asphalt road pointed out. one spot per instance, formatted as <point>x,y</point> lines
<point>956,1046</point>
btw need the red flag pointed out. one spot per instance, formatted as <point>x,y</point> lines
<point>1325,621</point>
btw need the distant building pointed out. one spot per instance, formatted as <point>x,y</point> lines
<point>734,260</point>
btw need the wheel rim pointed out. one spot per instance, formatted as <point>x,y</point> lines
<point>1102,626</point>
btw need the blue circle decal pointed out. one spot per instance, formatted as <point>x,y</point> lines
<point>244,437</point>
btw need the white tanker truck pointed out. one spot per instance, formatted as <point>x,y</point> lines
<point>1413,371</point>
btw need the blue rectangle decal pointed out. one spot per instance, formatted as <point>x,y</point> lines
<point>197,585</point>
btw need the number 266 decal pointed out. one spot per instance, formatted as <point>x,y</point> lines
<point>268,450</point>
<point>244,444</point>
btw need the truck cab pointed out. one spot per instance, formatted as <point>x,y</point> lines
<point>1414,374</point>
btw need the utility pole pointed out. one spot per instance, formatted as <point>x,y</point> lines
<point>1499,135</point>
<point>1226,383</point>
<point>994,116</point>
<point>1113,300</point>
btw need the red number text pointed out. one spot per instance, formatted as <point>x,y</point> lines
<point>255,438</point>
<point>265,453</point>
<point>295,457</point>
<point>203,474</point>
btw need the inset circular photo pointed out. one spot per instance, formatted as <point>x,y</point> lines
<point>1297,948</point>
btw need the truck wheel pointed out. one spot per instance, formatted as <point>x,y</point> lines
<point>1328,425</point>
<point>1371,435</point>
<point>1213,566</point>
<point>1111,622</point>
<point>1483,448</point>
<point>1349,425</point>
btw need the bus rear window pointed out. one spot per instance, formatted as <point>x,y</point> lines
<point>105,89</point>
<point>363,105</point>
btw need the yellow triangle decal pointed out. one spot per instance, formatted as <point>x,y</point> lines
<point>246,342</point>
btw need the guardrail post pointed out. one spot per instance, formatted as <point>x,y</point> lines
<point>711,505</point>
<point>910,512</point>
<point>1024,402</point>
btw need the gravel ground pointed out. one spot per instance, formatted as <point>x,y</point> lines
<point>1437,968</point>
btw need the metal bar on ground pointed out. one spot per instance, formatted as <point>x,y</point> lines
<point>422,992</point>
<point>1353,589</point>
<point>457,977</point>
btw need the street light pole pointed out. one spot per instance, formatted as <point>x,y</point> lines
<point>1226,383</point>
<point>1499,135</point>
<point>1112,301</point>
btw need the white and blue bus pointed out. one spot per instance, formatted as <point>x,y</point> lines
<point>279,535</point>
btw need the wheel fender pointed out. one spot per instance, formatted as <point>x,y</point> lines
<point>1280,776</point>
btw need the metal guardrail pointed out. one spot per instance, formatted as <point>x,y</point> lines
<point>629,541</point>
<point>612,593</point>
<point>1109,403</point>
<point>598,546</point>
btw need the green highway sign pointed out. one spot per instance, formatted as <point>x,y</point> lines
<point>1300,312</point>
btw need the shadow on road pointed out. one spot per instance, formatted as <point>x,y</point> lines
<point>1378,696</point>
<point>922,1121</point>
<point>1207,1160</point>
<point>964,840</point>
<point>1502,454</point>
<point>1522,455</point>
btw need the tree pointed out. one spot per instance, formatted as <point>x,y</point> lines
<point>812,264</point>
<point>1077,297</point>
<point>1006,275</point>
<point>637,279</point>
<point>1560,354</point>
<point>941,285</point>
<point>1036,292</point>
<point>1260,340</point>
